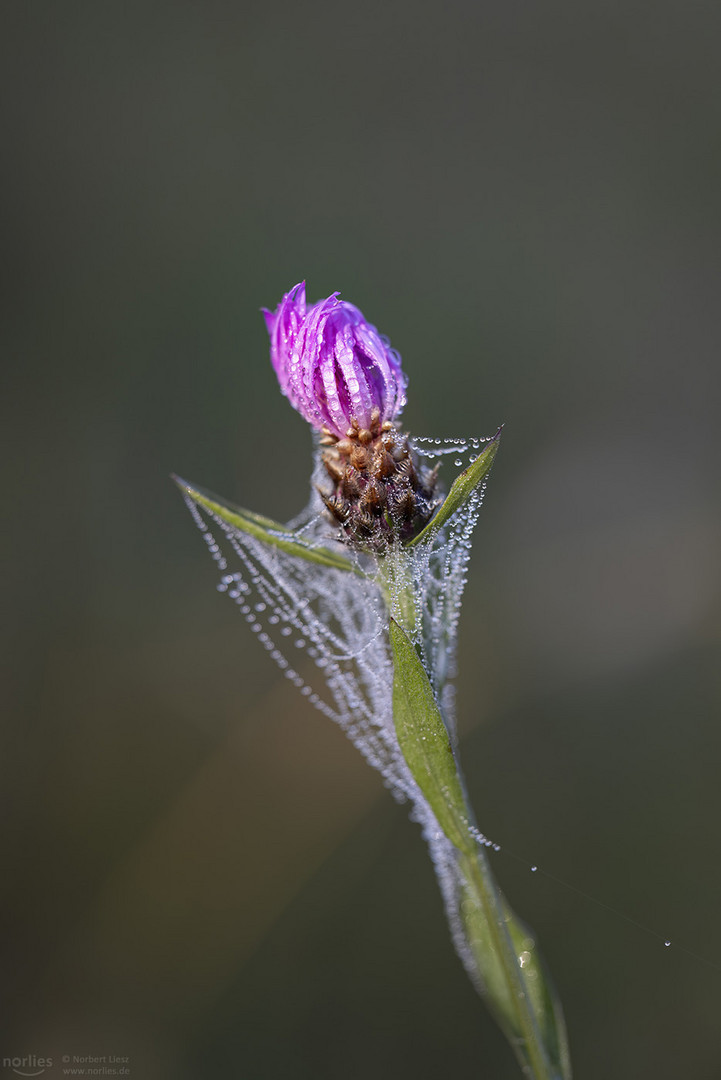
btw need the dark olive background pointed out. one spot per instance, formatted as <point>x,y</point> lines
<point>199,872</point>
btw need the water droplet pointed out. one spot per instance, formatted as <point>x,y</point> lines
<point>533,869</point>
<point>343,620</point>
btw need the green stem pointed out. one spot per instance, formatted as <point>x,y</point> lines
<point>520,1027</point>
<point>510,974</point>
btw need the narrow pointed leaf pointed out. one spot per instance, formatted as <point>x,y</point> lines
<point>535,980</point>
<point>424,740</point>
<point>540,1039</point>
<point>266,530</point>
<point>542,993</point>
<point>461,490</point>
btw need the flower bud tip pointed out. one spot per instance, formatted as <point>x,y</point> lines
<point>334,366</point>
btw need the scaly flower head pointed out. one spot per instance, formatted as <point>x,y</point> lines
<point>333,365</point>
<point>346,380</point>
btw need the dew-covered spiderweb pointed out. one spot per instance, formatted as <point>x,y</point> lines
<point>327,629</point>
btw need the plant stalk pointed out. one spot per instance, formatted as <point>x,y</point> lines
<point>509,973</point>
<point>523,1031</point>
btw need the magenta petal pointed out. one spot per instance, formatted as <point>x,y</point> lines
<point>332,365</point>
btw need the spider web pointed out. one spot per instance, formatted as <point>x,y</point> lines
<point>339,620</point>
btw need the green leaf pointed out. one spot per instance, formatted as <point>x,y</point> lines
<point>542,993</point>
<point>265,529</point>
<point>424,740</point>
<point>500,995</point>
<point>461,490</point>
<point>511,974</point>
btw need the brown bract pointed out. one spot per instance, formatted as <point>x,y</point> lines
<point>379,494</point>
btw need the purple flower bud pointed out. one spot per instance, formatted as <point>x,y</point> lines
<point>332,365</point>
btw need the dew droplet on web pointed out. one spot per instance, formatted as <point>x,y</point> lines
<point>341,621</point>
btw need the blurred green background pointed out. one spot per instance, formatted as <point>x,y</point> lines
<point>199,872</point>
